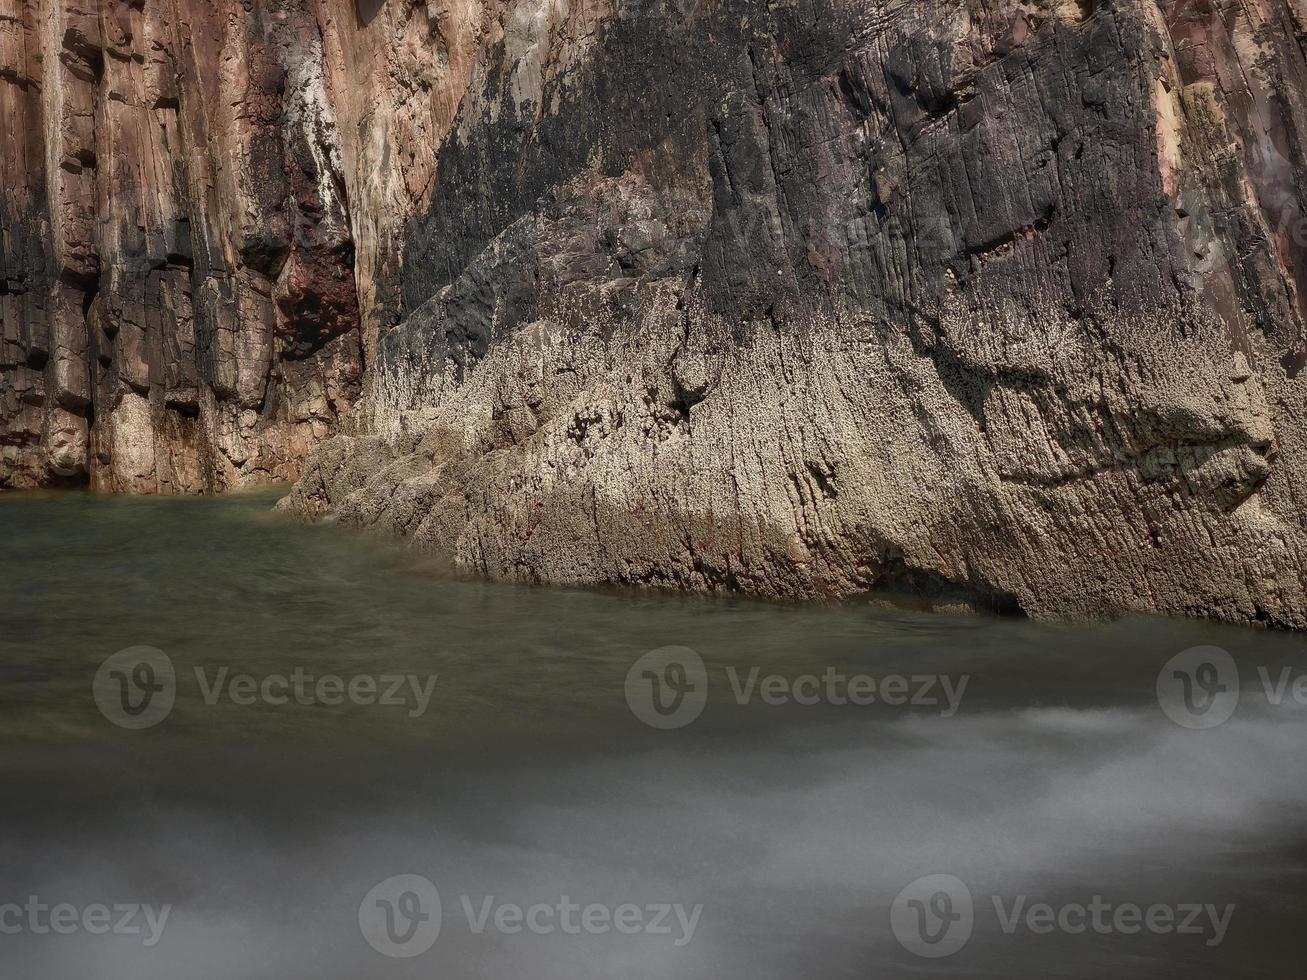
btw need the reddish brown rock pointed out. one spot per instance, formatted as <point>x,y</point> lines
<point>179,302</point>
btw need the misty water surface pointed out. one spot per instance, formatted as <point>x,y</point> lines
<point>526,777</point>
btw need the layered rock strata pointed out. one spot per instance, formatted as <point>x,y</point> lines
<point>997,301</point>
<point>177,286</point>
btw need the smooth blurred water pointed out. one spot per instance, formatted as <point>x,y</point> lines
<point>529,777</point>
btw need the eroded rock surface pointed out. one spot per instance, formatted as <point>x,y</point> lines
<point>1000,301</point>
<point>177,285</point>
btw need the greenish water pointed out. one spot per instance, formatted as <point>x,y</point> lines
<point>1037,767</point>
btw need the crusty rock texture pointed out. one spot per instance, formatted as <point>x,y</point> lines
<point>998,301</point>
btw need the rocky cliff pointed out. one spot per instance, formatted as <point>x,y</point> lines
<point>998,301</point>
<point>177,287</point>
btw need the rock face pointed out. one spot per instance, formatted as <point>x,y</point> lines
<point>998,301</point>
<point>177,282</point>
